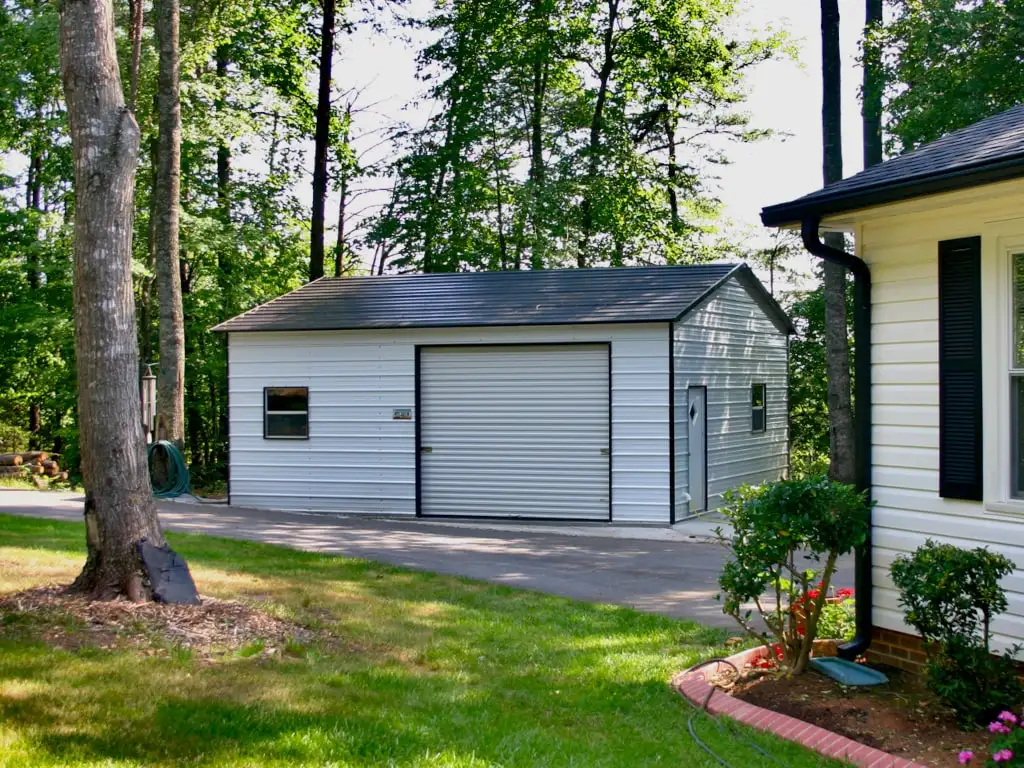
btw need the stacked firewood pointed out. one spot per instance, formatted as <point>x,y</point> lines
<point>38,466</point>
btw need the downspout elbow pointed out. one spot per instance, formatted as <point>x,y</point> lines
<point>809,230</point>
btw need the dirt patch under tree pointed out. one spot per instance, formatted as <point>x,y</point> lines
<point>215,627</point>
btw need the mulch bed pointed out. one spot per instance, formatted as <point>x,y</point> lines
<point>215,627</point>
<point>902,717</point>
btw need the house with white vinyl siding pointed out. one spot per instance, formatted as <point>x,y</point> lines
<point>634,395</point>
<point>938,237</point>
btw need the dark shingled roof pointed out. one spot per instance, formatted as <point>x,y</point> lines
<point>530,297</point>
<point>987,151</point>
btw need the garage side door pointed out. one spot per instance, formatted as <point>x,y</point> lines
<point>515,431</point>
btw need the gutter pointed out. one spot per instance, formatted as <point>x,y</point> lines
<point>862,405</point>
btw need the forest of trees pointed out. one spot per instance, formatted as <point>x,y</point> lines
<point>566,133</point>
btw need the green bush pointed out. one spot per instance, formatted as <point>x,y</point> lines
<point>13,439</point>
<point>775,526</point>
<point>950,596</point>
<point>838,620</point>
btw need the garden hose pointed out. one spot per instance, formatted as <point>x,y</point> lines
<point>734,732</point>
<point>178,481</point>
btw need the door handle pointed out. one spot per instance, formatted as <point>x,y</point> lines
<point>426,449</point>
<point>606,451</point>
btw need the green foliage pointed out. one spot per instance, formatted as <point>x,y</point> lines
<point>950,596</point>
<point>947,64</point>
<point>837,620</point>
<point>12,439</point>
<point>973,682</point>
<point>570,134</point>
<point>775,528</point>
<point>949,593</point>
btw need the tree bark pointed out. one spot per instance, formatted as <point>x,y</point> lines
<point>321,140</point>
<point>170,401</point>
<point>119,507</point>
<point>537,176</point>
<point>837,347</point>
<point>871,109</point>
<point>673,168</point>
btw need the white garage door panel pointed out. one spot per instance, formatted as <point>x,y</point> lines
<point>517,431</point>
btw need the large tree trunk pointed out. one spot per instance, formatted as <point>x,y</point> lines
<point>119,507</point>
<point>872,107</point>
<point>321,140</point>
<point>541,54</point>
<point>170,400</point>
<point>837,348</point>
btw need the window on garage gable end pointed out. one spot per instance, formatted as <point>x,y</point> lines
<point>286,413</point>
<point>758,408</point>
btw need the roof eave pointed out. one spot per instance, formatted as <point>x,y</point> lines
<point>795,211</point>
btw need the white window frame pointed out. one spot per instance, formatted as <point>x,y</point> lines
<point>763,407</point>
<point>1000,242</point>
<point>267,412</point>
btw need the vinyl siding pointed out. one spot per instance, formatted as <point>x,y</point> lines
<point>359,460</point>
<point>900,243</point>
<point>728,344</point>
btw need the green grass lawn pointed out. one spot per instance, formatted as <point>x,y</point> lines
<point>411,669</point>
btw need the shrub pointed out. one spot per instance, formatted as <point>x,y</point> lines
<point>950,595</point>
<point>838,621</point>
<point>812,519</point>
<point>12,439</point>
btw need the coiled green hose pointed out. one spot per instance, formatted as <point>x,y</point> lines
<point>178,481</point>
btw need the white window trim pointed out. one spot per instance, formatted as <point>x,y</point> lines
<point>999,243</point>
<point>267,412</point>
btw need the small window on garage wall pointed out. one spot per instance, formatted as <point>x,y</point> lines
<point>286,413</point>
<point>758,409</point>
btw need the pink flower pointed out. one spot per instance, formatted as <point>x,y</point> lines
<point>997,727</point>
<point>965,757</point>
<point>1002,756</point>
<point>1007,717</point>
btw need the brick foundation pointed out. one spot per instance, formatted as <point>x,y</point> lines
<point>896,649</point>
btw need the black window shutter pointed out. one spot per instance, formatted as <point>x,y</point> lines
<point>960,423</point>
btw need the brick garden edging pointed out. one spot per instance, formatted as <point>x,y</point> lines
<point>694,687</point>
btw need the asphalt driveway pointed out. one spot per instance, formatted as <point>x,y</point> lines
<point>658,575</point>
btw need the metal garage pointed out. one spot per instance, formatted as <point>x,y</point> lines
<point>631,395</point>
<point>515,431</point>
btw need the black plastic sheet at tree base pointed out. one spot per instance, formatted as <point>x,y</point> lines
<point>169,577</point>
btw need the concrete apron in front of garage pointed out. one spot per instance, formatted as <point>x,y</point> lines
<point>658,570</point>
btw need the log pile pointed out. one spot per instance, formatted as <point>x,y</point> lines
<point>39,466</point>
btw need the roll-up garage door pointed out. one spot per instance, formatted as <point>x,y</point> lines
<point>515,431</point>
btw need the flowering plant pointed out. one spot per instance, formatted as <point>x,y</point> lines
<point>776,531</point>
<point>1007,750</point>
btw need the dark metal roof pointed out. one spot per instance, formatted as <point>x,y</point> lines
<point>529,297</point>
<point>987,151</point>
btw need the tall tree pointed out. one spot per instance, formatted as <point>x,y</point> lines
<point>837,344</point>
<point>948,64</point>
<point>321,141</point>
<point>871,107</point>
<point>170,417</point>
<point>119,507</point>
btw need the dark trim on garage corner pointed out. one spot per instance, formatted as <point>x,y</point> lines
<point>416,412</point>
<point>227,405</point>
<point>707,478</point>
<point>671,424</point>
<point>417,429</point>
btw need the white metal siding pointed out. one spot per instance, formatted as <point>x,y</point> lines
<point>515,431</point>
<point>359,460</point>
<point>727,345</point>
<point>902,251</point>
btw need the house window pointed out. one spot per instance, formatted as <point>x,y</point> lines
<point>758,420</point>
<point>1017,377</point>
<point>286,413</point>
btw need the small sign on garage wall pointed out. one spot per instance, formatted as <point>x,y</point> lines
<point>401,414</point>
